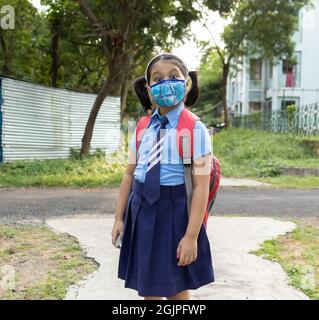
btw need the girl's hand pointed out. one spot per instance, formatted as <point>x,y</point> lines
<point>186,251</point>
<point>118,228</point>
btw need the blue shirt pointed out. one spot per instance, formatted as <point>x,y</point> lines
<point>172,168</point>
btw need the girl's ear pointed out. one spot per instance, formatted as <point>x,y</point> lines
<point>193,92</point>
<point>189,83</point>
<point>142,92</point>
<point>149,94</point>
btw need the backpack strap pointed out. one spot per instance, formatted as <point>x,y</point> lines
<point>185,138</point>
<point>142,125</point>
<point>185,135</point>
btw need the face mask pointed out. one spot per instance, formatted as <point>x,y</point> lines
<point>168,93</point>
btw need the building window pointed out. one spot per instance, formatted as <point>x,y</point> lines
<point>255,69</point>
<point>268,106</point>
<point>289,69</point>
<point>285,103</point>
<point>254,106</point>
<point>287,66</point>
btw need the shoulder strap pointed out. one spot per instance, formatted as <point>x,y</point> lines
<point>140,129</point>
<point>185,129</point>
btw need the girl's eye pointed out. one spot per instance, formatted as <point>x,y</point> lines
<point>174,77</point>
<point>156,79</point>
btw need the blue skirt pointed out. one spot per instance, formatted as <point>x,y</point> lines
<point>147,260</point>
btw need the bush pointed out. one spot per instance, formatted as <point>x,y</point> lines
<point>75,154</point>
<point>245,152</point>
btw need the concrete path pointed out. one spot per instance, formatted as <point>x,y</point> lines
<point>238,182</point>
<point>239,275</point>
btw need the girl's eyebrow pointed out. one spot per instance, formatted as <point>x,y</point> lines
<point>173,69</point>
<point>156,72</point>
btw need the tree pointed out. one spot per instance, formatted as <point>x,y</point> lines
<point>126,29</point>
<point>48,47</point>
<point>76,58</point>
<point>60,17</point>
<point>257,27</point>
<point>18,45</point>
<point>210,76</point>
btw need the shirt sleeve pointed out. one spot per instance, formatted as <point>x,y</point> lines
<point>202,140</point>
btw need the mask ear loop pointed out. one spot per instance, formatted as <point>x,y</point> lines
<point>188,86</point>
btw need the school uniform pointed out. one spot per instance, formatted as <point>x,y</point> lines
<point>152,232</point>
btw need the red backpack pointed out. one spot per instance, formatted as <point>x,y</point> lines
<point>185,129</point>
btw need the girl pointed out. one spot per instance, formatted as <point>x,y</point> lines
<point>165,252</point>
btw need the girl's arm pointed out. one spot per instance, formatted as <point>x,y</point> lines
<point>201,177</point>
<point>187,248</point>
<point>125,187</point>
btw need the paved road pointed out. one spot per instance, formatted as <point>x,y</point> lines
<point>268,202</point>
<point>42,203</point>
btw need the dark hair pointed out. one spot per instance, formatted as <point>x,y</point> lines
<point>141,82</point>
<point>141,92</point>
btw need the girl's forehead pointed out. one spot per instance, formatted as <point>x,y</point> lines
<point>164,66</point>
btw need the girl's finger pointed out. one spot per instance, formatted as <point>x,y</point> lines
<point>178,251</point>
<point>181,260</point>
<point>114,236</point>
<point>188,260</point>
<point>113,241</point>
<point>185,261</point>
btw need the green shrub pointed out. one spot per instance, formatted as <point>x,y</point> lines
<point>246,152</point>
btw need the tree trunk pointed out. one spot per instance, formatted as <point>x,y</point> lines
<point>111,87</point>
<point>54,53</point>
<point>6,70</point>
<point>124,93</point>
<point>224,93</point>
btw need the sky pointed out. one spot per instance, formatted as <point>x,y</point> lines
<point>189,51</point>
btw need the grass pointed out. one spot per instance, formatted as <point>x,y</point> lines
<point>310,138</point>
<point>36,263</point>
<point>243,153</point>
<point>310,182</point>
<point>92,171</point>
<point>298,254</point>
<point>261,155</point>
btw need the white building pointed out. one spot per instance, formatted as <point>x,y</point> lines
<point>261,86</point>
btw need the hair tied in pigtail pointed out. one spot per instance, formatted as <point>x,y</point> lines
<point>193,93</point>
<point>141,92</point>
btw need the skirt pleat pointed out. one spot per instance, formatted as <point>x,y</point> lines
<point>147,260</point>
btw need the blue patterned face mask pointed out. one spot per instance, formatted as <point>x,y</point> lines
<point>168,93</point>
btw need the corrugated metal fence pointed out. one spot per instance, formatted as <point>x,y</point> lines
<point>40,122</point>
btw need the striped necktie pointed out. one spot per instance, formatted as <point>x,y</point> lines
<point>151,189</point>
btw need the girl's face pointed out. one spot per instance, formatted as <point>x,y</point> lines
<point>164,70</point>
